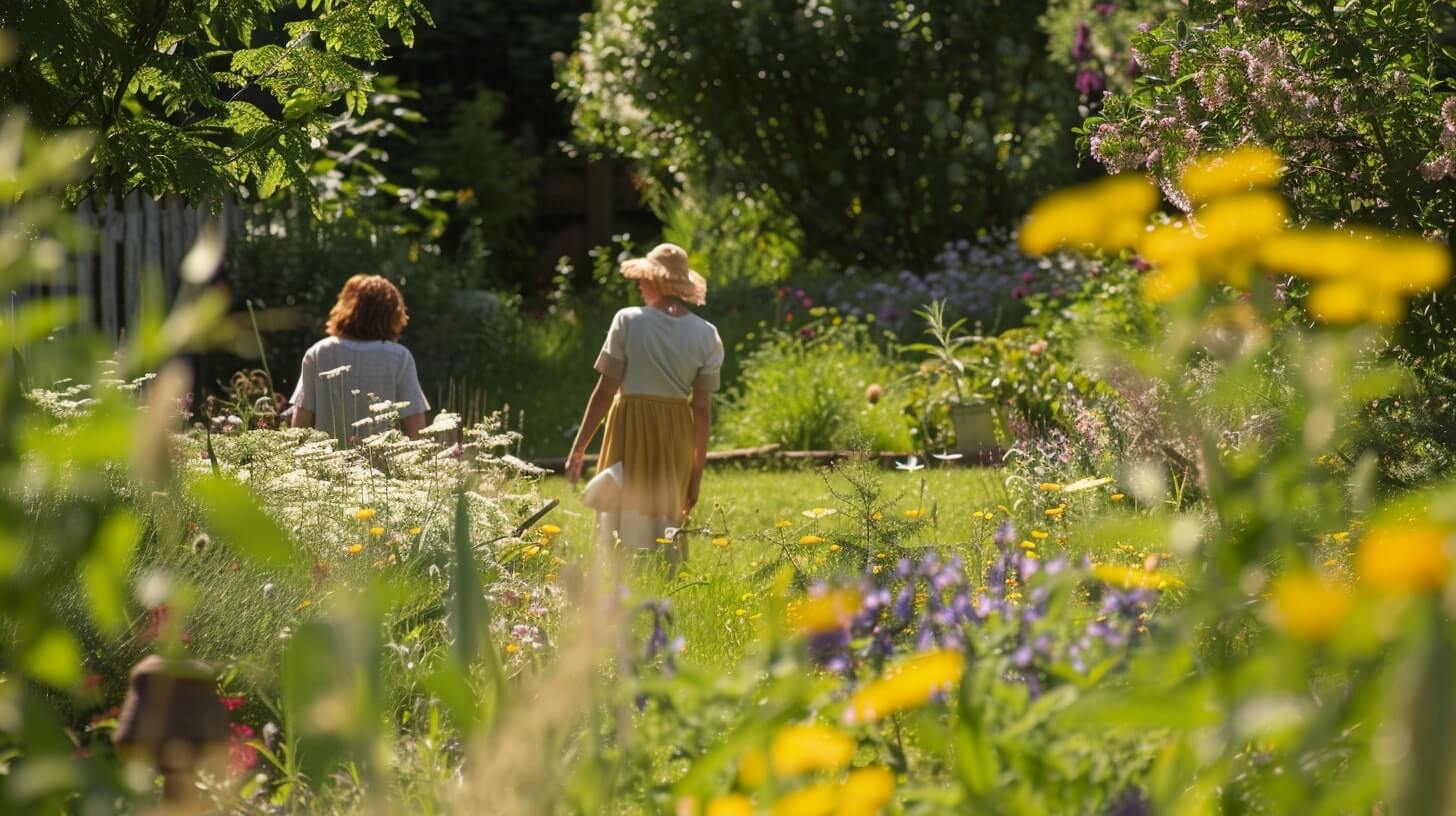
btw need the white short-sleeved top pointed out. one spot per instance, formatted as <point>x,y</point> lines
<point>657,354</point>
<point>377,371</point>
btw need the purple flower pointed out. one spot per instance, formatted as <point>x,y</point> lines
<point>1089,83</point>
<point>1082,42</point>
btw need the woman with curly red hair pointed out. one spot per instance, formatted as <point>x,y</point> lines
<point>360,364</point>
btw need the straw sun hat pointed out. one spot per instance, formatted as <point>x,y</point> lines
<point>666,266</point>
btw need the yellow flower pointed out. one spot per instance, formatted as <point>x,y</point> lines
<point>1039,534</point>
<point>1308,607</point>
<point>414,531</point>
<point>905,685</point>
<point>365,513</point>
<point>1342,536</point>
<point>1053,512</point>
<point>1109,213</point>
<point>661,540</point>
<point>866,790</point>
<point>1028,545</point>
<point>1116,497</point>
<point>1168,281</point>
<point>1050,487</point>
<point>801,749</point>
<point>914,514</point>
<point>1004,509</point>
<point>1229,172</point>
<point>1405,559</point>
<point>752,768</point>
<point>1341,302</point>
<point>810,540</point>
<point>819,512</point>
<point>834,548</point>
<point>720,541</point>
<point>978,515</point>
<point>531,551</point>
<point>550,529</point>
<point>376,531</point>
<point>731,805</point>
<point>828,612</point>
<point>355,549</point>
<point>740,612</point>
<point>1244,220</point>
<point>877,516</point>
<point>1128,577</point>
<point>783,524</point>
<point>302,605</point>
<point>815,800</point>
<point>512,648</point>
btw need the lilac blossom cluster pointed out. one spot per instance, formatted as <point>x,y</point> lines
<point>982,280</point>
<point>1442,163</point>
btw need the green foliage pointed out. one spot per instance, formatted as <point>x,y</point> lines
<point>196,99</point>
<point>805,389</point>
<point>881,154</point>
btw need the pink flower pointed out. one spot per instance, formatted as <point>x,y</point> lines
<point>242,757</point>
<point>232,702</point>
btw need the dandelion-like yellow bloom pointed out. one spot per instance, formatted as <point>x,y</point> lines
<point>355,549</point>
<point>834,548</point>
<point>1230,172</point>
<point>1128,577</point>
<point>512,648</point>
<point>877,516</point>
<point>801,749</point>
<point>1108,213</point>
<point>1054,512</point>
<point>1339,302</point>
<point>1039,534</point>
<point>365,513</point>
<point>1168,281</point>
<point>376,531</point>
<point>1049,487</point>
<point>1308,607</point>
<point>731,805</point>
<point>661,540</point>
<point>720,541</point>
<point>815,800</point>
<point>811,540</point>
<point>914,514</point>
<point>907,684</point>
<point>866,791</point>
<point>783,524</point>
<point>828,612</point>
<point>1404,559</point>
<point>550,529</point>
<point>414,531</point>
<point>1240,221</point>
<point>752,768</point>
<point>1116,497</point>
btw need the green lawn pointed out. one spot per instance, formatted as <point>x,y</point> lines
<point>743,505</point>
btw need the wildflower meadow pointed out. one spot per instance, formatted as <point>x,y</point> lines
<point>1083,441</point>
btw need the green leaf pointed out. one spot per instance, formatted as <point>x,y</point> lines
<point>232,514</point>
<point>54,659</point>
<point>104,572</point>
<point>271,178</point>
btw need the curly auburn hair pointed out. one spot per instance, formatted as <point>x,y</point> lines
<point>369,308</point>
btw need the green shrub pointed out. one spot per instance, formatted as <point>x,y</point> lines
<point>805,389</point>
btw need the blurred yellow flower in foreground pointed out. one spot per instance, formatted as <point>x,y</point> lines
<point>827,612</point>
<point>1230,172</point>
<point>815,800</point>
<point>752,768</point>
<point>1405,559</point>
<point>1039,534</point>
<point>801,749</point>
<point>1129,577</point>
<point>1109,212</point>
<point>1307,606</point>
<point>1116,497</point>
<point>732,805</point>
<point>907,684</point>
<point>915,513</point>
<point>550,529</point>
<point>811,540</point>
<point>866,791</point>
<point>365,513</point>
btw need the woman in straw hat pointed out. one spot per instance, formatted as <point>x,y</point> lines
<point>658,368</point>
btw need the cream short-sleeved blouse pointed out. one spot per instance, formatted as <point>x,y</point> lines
<point>656,354</point>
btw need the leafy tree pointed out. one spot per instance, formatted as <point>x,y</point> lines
<point>882,129</point>
<point>196,96</point>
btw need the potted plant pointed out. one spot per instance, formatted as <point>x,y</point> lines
<point>971,411</point>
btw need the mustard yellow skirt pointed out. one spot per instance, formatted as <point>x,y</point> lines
<point>653,439</point>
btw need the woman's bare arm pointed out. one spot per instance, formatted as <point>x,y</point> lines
<point>412,425</point>
<point>302,417</point>
<point>596,411</point>
<point>702,422</point>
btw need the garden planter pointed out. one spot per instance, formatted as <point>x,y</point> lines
<point>975,428</point>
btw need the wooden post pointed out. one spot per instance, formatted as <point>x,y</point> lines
<point>86,264</point>
<point>109,234</point>
<point>132,259</point>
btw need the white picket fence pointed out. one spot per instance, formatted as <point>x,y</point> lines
<point>130,238</point>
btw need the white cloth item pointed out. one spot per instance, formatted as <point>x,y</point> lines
<point>377,371</point>
<point>656,354</point>
<point>604,492</point>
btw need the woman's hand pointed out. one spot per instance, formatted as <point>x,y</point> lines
<point>574,464</point>
<point>695,485</point>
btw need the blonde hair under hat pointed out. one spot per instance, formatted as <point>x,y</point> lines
<point>666,267</point>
